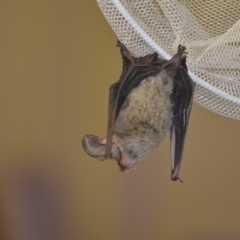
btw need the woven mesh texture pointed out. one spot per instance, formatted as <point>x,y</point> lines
<point>209,29</point>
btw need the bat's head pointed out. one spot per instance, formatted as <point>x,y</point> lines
<point>125,157</point>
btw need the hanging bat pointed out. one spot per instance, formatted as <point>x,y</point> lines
<point>152,97</point>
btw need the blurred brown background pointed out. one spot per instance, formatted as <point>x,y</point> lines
<point>57,60</point>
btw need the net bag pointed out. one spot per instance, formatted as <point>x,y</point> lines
<point>210,30</point>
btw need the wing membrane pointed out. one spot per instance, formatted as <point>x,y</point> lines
<point>183,91</point>
<point>134,71</point>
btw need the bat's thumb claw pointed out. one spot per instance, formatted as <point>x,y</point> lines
<point>175,178</point>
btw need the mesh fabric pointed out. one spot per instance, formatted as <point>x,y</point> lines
<point>210,30</point>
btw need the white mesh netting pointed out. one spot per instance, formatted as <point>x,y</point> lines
<point>209,29</point>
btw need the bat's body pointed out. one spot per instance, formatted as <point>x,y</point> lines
<point>140,126</point>
<point>152,97</point>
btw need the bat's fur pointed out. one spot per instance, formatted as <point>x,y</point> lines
<point>145,117</point>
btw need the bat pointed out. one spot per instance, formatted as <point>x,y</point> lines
<point>152,97</point>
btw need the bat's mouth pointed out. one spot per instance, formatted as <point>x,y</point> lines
<point>95,147</point>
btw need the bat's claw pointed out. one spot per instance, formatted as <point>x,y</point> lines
<point>175,177</point>
<point>181,50</point>
<point>118,43</point>
<point>124,51</point>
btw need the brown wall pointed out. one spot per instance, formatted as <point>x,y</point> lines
<point>57,60</point>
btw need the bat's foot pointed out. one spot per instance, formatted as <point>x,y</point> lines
<point>176,61</point>
<point>124,52</point>
<point>181,50</point>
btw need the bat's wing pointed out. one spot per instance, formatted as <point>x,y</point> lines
<point>182,98</point>
<point>134,71</point>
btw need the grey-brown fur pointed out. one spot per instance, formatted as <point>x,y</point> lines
<point>145,118</point>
